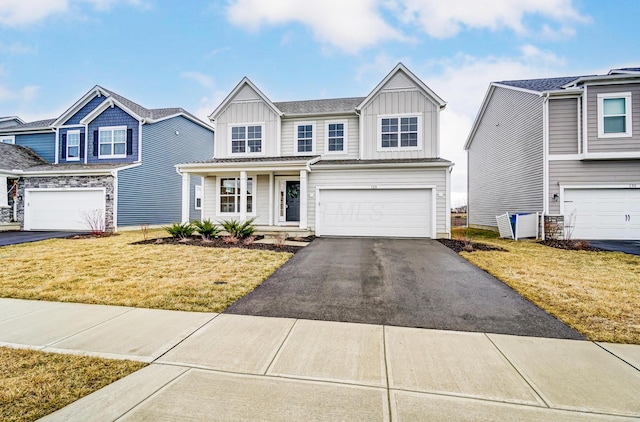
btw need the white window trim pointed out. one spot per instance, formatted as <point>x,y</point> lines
<point>242,154</point>
<point>253,212</point>
<point>197,194</point>
<point>380,148</point>
<point>112,129</point>
<point>345,143</point>
<point>628,117</point>
<point>313,138</point>
<point>11,138</point>
<point>67,146</point>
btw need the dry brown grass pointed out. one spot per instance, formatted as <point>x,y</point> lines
<point>34,384</point>
<point>111,271</point>
<point>594,292</point>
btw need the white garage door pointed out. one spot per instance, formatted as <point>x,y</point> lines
<point>50,209</point>
<point>603,213</point>
<point>375,212</point>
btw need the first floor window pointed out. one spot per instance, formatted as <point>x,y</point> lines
<point>305,138</point>
<point>335,137</point>
<point>7,139</point>
<point>113,142</point>
<point>399,132</point>
<point>230,195</point>
<point>614,115</point>
<point>73,145</point>
<point>198,197</point>
<point>246,139</point>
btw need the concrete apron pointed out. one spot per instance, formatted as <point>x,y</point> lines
<point>234,367</point>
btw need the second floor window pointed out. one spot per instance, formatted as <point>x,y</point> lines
<point>73,145</point>
<point>614,115</point>
<point>336,137</point>
<point>246,139</point>
<point>399,132</point>
<point>112,142</point>
<point>304,138</point>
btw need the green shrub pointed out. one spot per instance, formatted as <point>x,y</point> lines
<point>207,229</point>
<point>240,230</point>
<point>180,230</point>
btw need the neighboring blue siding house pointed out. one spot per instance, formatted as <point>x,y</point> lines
<point>108,159</point>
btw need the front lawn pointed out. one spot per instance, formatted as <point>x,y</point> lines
<point>594,292</point>
<point>34,384</point>
<point>111,271</point>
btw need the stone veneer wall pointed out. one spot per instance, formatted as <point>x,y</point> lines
<point>5,215</point>
<point>58,182</point>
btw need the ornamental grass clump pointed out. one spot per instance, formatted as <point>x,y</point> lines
<point>207,229</point>
<point>181,230</point>
<point>239,229</point>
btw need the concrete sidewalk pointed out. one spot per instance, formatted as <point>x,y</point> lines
<point>236,367</point>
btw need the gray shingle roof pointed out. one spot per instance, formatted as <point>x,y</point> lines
<point>135,107</point>
<point>16,157</point>
<point>255,159</point>
<point>38,124</point>
<point>387,161</point>
<point>626,69</point>
<point>540,85</point>
<point>332,105</point>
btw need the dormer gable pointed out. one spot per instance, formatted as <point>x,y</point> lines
<point>244,91</point>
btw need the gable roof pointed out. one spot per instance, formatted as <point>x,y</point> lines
<point>16,157</point>
<point>139,112</point>
<point>402,68</point>
<point>324,106</point>
<point>9,118</point>
<point>244,82</point>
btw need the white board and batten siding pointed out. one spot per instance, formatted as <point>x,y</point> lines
<point>506,158</point>
<point>62,209</point>
<point>247,108</point>
<point>320,136</point>
<point>400,96</point>
<point>422,193</point>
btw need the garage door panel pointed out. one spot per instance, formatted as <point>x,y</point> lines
<point>62,209</point>
<point>375,212</point>
<point>600,213</point>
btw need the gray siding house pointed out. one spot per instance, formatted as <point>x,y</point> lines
<point>105,156</point>
<point>364,166</point>
<point>567,146</point>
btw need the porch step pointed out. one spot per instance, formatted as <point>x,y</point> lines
<point>274,231</point>
<point>5,227</point>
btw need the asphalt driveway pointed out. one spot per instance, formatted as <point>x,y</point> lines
<point>401,282</point>
<point>15,237</point>
<point>627,246</point>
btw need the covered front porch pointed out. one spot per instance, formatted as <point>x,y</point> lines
<point>271,190</point>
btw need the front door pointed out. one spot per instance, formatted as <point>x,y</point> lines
<point>292,193</point>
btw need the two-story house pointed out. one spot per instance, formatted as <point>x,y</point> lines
<point>567,146</point>
<point>366,166</point>
<point>106,157</point>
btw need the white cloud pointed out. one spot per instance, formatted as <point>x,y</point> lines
<point>211,97</point>
<point>444,19</point>
<point>16,13</point>
<point>350,25</point>
<point>16,48</point>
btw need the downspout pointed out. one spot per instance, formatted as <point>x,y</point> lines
<point>361,144</point>
<point>545,160</point>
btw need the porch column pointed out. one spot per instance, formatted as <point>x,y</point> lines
<point>304,196</point>
<point>243,195</point>
<point>4,197</point>
<point>271,195</point>
<point>186,197</point>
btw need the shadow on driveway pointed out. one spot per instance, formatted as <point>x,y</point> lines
<point>401,282</point>
<point>14,238</point>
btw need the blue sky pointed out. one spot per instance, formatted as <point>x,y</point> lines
<point>191,54</point>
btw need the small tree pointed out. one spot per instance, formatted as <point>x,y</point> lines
<point>94,219</point>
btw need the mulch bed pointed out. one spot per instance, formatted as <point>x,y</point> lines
<point>219,243</point>
<point>458,246</point>
<point>571,245</point>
